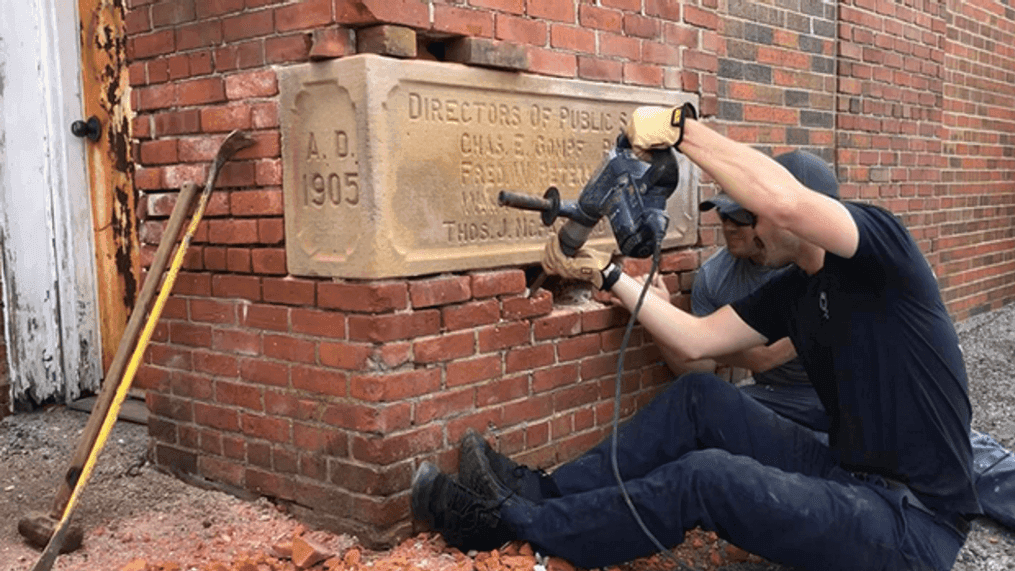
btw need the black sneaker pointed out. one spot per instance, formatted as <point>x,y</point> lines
<point>495,476</point>
<point>466,520</point>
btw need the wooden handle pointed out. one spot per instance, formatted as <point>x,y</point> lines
<point>127,342</point>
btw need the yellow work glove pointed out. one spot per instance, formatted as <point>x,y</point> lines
<point>657,128</point>
<point>587,264</point>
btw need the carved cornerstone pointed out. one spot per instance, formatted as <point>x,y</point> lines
<point>392,167</point>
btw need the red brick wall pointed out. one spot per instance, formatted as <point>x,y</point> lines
<point>327,394</point>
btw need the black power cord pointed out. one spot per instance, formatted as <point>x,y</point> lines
<point>616,412</point>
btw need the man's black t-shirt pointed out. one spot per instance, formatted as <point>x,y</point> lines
<point>881,350</point>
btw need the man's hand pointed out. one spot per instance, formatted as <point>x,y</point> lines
<point>587,264</point>
<point>657,128</point>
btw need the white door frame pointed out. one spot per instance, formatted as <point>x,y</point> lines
<point>48,262</point>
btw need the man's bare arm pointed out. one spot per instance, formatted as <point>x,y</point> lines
<point>757,359</point>
<point>763,186</point>
<point>685,336</point>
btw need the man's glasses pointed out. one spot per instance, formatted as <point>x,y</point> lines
<point>740,218</point>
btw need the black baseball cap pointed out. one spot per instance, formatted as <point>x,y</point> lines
<point>809,169</point>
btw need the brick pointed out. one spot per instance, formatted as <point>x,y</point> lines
<point>554,377</point>
<point>237,394</point>
<point>574,38</point>
<point>271,261</point>
<point>462,21</point>
<point>557,10</point>
<point>523,307</point>
<point>578,347</point>
<point>590,16</point>
<point>552,62</point>
<point>290,291</point>
<point>599,69</point>
<point>501,336</point>
<point>394,326</point>
<point>641,27</point>
<point>291,349</point>
<point>172,13</point>
<point>190,334</point>
<point>197,35</point>
<point>603,318</point>
<point>177,123</point>
<point>345,355</point>
<point>238,260</point>
<point>665,9</point>
<point>137,21</point>
<point>512,6</point>
<point>248,25</point>
<point>520,30</point>
<point>528,358</point>
<point>560,323</point>
<point>156,97</point>
<point>445,348</point>
<point>261,316</point>
<point>320,323</point>
<point>395,41</point>
<point>319,381</point>
<point>201,91</point>
<point>287,49</point>
<point>150,45</point>
<point>387,449</point>
<point>188,283</point>
<point>267,428</point>
<point>218,417</point>
<point>439,291</point>
<point>213,311</point>
<point>473,370</point>
<point>225,119</point>
<point>232,231</point>
<point>367,297</point>
<point>393,387</point>
<point>443,405</point>
<point>502,390</point>
<point>216,364</point>
<point>246,287</point>
<point>328,43</point>
<point>235,173</point>
<point>488,284</point>
<point>270,231</point>
<point>362,12</point>
<point>637,74</point>
<point>368,417</point>
<point>303,15</point>
<point>527,409</point>
<point>265,372</point>
<point>209,8</point>
<point>158,152</point>
<point>236,341</point>
<point>470,314</point>
<point>252,84</point>
<point>484,52</point>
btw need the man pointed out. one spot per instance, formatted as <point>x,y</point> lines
<point>780,381</point>
<point>893,488</point>
<point>735,272</point>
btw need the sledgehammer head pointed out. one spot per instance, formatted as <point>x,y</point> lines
<point>37,528</point>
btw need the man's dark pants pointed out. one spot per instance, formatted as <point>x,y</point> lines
<point>704,454</point>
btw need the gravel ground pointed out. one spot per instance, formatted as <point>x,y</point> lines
<point>132,512</point>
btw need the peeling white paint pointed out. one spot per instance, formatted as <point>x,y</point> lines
<point>45,217</point>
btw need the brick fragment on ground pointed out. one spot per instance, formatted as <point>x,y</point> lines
<point>136,565</point>
<point>306,552</point>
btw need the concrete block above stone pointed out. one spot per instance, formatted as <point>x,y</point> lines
<point>387,40</point>
<point>485,52</point>
<point>392,168</point>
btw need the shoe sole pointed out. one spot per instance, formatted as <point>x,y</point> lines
<point>474,470</point>
<point>425,474</point>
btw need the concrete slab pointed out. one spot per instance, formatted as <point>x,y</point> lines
<point>392,168</point>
